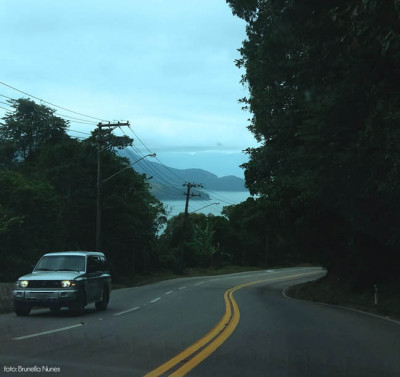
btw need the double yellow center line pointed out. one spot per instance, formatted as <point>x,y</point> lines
<point>204,347</point>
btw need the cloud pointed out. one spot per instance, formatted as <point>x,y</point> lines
<point>166,66</point>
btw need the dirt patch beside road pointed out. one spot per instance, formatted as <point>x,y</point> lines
<point>6,303</point>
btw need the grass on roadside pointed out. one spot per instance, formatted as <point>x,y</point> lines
<point>6,302</point>
<point>333,291</point>
<point>156,277</point>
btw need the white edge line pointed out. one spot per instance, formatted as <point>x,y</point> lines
<point>155,300</point>
<point>47,332</point>
<point>127,311</point>
<point>341,307</point>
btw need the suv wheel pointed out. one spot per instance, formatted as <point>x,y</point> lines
<point>21,309</point>
<point>102,305</point>
<point>78,306</point>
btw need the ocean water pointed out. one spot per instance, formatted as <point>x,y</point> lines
<point>224,198</point>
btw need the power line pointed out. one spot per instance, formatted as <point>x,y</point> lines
<point>69,119</point>
<point>84,121</point>
<point>169,182</point>
<point>166,167</point>
<point>73,119</point>
<point>163,177</point>
<point>180,179</point>
<point>50,103</point>
<point>137,137</point>
<point>155,172</point>
<point>221,198</point>
<point>152,168</point>
<point>80,132</point>
<point>218,197</point>
<point>165,186</point>
<point>79,120</point>
<point>2,95</point>
<point>76,122</point>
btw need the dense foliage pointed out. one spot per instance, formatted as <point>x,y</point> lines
<point>323,83</point>
<point>323,79</point>
<point>196,240</point>
<point>48,195</point>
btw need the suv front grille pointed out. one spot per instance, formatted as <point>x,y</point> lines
<point>44,284</point>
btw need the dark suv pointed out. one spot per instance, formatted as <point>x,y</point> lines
<point>70,279</point>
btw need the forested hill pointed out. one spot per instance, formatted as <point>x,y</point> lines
<point>165,180</point>
<point>323,80</point>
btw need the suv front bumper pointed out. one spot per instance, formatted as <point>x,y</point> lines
<point>44,297</point>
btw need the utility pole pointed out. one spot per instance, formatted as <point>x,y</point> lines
<point>99,179</point>
<point>184,255</point>
<point>189,195</point>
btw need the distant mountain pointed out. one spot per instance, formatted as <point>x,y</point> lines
<point>167,182</point>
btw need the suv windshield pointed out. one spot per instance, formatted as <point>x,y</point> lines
<point>61,263</point>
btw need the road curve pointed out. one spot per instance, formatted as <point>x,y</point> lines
<point>231,325</point>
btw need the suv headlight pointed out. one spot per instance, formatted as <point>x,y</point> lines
<point>22,283</point>
<point>68,283</point>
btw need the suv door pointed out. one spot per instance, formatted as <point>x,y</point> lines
<point>93,281</point>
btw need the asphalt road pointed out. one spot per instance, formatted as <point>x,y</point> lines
<point>232,325</point>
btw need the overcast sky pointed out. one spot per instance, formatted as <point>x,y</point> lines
<point>166,66</point>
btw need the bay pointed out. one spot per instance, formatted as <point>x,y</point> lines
<point>197,205</point>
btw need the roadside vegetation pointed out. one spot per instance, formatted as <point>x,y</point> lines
<point>48,194</point>
<point>323,85</point>
<point>324,98</point>
<point>382,299</point>
<point>48,203</point>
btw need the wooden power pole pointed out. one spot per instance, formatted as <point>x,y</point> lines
<point>189,195</point>
<point>99,179</point>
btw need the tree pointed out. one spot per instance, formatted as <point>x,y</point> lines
<point>131,215</point>
<point>203,243</point>
<point>29,222</point>
<point>322,78</point>
<point>262,233</point>
<point>108,141</point>
<point>30,126</point>
<point>48,194</point>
